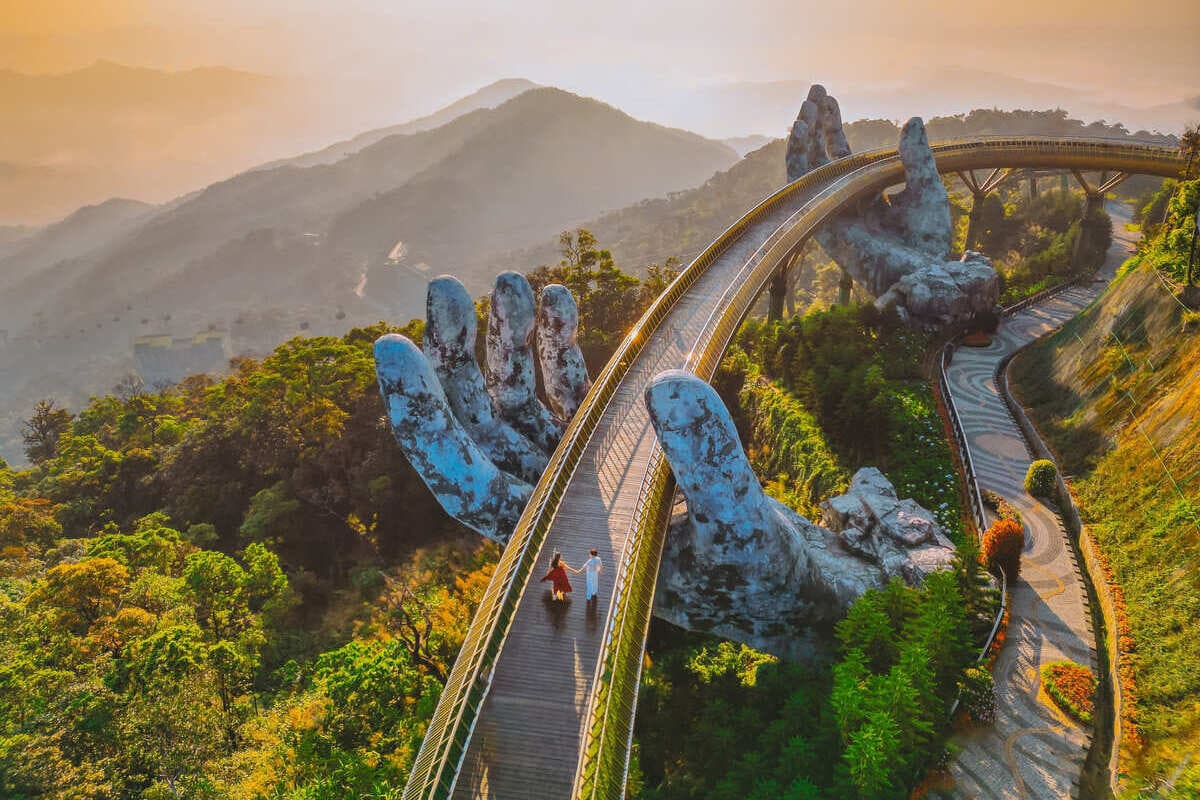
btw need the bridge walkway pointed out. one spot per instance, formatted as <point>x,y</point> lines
<point>529,732</point>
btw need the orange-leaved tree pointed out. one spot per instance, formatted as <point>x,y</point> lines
<point>1002,546</point>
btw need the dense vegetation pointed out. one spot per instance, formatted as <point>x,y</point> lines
<point>860,375</point>
<point>1036,243</point>
<point>720,720</point>
<point>1115,393</point>
<point>238,588</point>
<point>815,397</point>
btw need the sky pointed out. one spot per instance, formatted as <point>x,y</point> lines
<point>413,55</point>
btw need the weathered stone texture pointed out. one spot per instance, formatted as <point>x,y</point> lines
<point>564,372</point>
<point>743,565</point>
<point>898,247</point>
<point>511,379</point>
<point>465,481</point>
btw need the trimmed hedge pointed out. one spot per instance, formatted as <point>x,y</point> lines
<point>1041,477</point>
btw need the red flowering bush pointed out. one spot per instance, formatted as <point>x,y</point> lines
<point>1072,686</point>
<point>1002,546</point>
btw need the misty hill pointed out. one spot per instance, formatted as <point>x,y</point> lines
<point>274,252</point>
<point>495,197</point>
<point>740,108</point>
<point>747,144</point>
<point>71,237</point>
<point>489,96</point>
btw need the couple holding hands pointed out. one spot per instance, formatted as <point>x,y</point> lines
<point>561,586</point>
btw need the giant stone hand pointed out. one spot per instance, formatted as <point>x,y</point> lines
<point>738,563</point>
<point>745,566</point>
<point>480,445</point>
<point>897,247</point>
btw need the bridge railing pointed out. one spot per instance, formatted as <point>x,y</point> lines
<point>604,757</point>
<point>436,767</point>
<point>974,495</point>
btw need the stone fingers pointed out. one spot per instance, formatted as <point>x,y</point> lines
<point>466,483</point>
<point>701,442</point>
<point>511,379</point>
<point>564,372</point>
<point>817,135</point>
<point>812,112</point>
<point>831,126</point>
<point>920,214</point>
<point>450,330</point>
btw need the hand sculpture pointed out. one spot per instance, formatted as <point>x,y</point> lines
<point>745,566</point>
<point>897,247</point>
<point>480,446</point>
<point>738,563</point>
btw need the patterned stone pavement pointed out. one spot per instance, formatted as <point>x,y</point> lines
<point>1032,751</point>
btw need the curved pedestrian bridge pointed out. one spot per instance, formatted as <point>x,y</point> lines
<point>540,702</point>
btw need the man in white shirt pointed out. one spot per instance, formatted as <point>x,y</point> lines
<point>591,569</point>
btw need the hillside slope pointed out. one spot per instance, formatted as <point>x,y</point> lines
<point>549,160</point>
<point>1115,393</point>
<point>272,252</point>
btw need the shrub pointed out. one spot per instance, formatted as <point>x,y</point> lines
<point>1041,477</point>
<point>1002,546</point>
<point>977,339</point>
<point>1072,686</point>
<point>978,692</point>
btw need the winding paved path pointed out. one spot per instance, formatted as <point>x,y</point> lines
<point>1033,751</point>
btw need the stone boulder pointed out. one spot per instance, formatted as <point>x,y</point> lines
<point>898,535</point>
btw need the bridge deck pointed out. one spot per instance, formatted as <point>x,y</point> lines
<point>529,731</point>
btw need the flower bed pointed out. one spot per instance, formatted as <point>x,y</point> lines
<point>1126,646</point>
<point>1072,686</point>
<point>977,339</point>
<point>1003,508</point>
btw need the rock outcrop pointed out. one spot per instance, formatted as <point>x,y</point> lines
<point>898,247</point>
<point>745,566</point>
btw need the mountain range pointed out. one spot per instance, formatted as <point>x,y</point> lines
<point>318,244</point>
<point>350,233</point>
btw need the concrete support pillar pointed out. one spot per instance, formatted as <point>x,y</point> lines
<point>1093,204</point>
<point>844,289</point>
<point>777,293</point>
<point>974,218</point>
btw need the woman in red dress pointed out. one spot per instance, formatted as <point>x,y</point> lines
<point>558,574</point>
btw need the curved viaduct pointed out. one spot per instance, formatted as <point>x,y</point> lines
<point>540,702</point>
